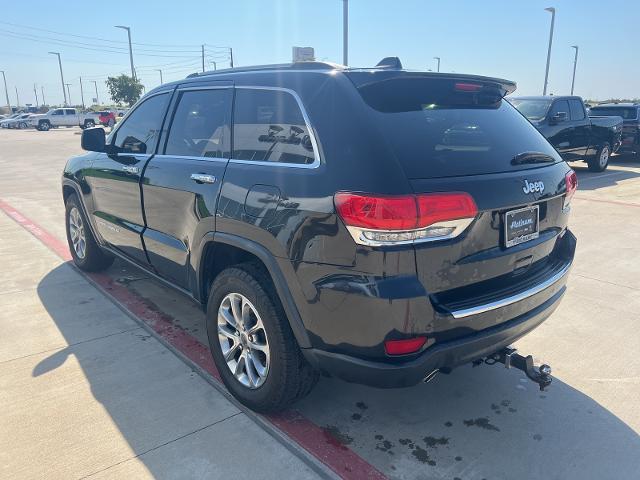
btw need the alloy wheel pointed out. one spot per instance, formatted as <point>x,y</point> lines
<point>77,234</point>
<point>243,340</point>
<point>604,157</point>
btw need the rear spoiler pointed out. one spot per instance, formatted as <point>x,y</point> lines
<point>364,77</point>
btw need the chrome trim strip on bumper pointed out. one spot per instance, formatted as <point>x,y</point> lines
<point>467,312</point>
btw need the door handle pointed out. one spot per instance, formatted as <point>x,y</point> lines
<point>203,178</point>
<point>130,169</point>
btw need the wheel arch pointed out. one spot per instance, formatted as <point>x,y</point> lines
<point>221,250</point>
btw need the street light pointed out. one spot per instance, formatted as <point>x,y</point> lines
<point>6,92</point>
<point>575,62</point>
<point>96,85</point>
<point>64,92</point>
<point>133,72</point>
<point>345,32</point>
<point>438,59</point>
<point>546,73</point>
<point>159,70</point>
<point>68,94</point>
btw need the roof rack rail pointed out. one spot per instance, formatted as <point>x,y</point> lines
<point>307,65</point>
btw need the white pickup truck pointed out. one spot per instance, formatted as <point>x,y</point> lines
<point>63,117</point>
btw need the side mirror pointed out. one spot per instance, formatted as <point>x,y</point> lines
<point>558,118</point>
<point>93,139</point>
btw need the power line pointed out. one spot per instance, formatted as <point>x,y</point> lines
<point>95,38</point>
<point>79,45</point>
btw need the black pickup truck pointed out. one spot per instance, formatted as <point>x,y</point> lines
<point>576,136</point>
<point>630,113</point>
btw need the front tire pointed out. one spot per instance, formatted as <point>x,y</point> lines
<point>600,161</point>
<point>251,341</point>
<point>89,124</point>
<point>86,253</point>
<point>44,126</point>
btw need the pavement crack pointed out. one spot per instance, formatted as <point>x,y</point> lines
<point>169,442</point>
<point>70,345</point>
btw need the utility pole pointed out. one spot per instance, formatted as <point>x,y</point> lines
<point>81,93</point>
<point>44,102</point>
<point>546,73</point>
<point>231,53</point>
<point>64,92</point>
<point>6,92</point>
<point>68,94</point>
<point>96,85</point>
<point>215,65</point>
<point>17,99</point>
<point>202,58</point>
<point>438,59</point>
<point>133,72</point>
<point>575,62</point>
<point>159,70</point>
<point>345,32</point>
<point>35,92</point>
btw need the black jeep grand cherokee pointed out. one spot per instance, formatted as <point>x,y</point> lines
<point>376,224</point>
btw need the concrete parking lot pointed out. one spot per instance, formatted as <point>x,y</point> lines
<point>108,376</point>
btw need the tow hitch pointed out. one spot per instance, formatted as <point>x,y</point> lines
<point>511,358</point>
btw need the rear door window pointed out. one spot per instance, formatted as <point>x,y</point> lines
<point>447,127</point>
<point>201,124</point>
<point>577,109</point>
<point>269,127</point>
<point>139,133</point>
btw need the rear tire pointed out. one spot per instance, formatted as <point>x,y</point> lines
<point>44,126</point>
<point>287,375</point>
<point>600,161</point>
<point>89,124</point>
<point>86,253</point>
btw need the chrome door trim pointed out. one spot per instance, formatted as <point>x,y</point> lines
<point>503,302</point>
<point>188,157</point>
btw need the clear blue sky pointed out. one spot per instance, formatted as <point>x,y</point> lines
<point>490,37</point>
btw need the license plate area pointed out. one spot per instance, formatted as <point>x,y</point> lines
<point>521,225</point>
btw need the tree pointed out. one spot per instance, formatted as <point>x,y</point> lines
<point>124,89</point>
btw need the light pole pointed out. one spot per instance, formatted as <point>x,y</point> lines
<point>202,58</point>
<point>546,73</point>
<point>215,65</point>
<point>133,72</point>
<point>6,92</point>
<point>64,92</point>
<point>82,93</point>
<point>575,62</point>
<point>159,70</point>
<point>68,94</point>
<point>438,59</point>
<point>35,93</point>
<point>17,99</point>
<point>44,102</point>
<point>345,32</point>
<point>96,85</point>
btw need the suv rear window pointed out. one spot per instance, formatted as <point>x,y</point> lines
<point>449,127</point>
<point>627,113</point>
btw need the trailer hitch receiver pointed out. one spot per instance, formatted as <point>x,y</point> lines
<point>510,357</point>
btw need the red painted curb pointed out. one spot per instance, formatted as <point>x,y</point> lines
<point>314,439</point>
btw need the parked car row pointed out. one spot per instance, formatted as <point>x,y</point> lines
<point>17,120</point>
<point>59,117</point>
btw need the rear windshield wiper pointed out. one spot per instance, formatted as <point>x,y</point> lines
<point>532,157</point>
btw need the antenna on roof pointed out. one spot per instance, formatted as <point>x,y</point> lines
<point>392,63</point>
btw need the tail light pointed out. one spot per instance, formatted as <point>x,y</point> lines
<point>404,347</point>
<point>378,220</point>
<point>571,181</point>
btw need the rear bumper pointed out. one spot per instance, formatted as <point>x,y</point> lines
<point>442,355</point>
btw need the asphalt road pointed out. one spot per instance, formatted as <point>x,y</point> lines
<point>476,423</point>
